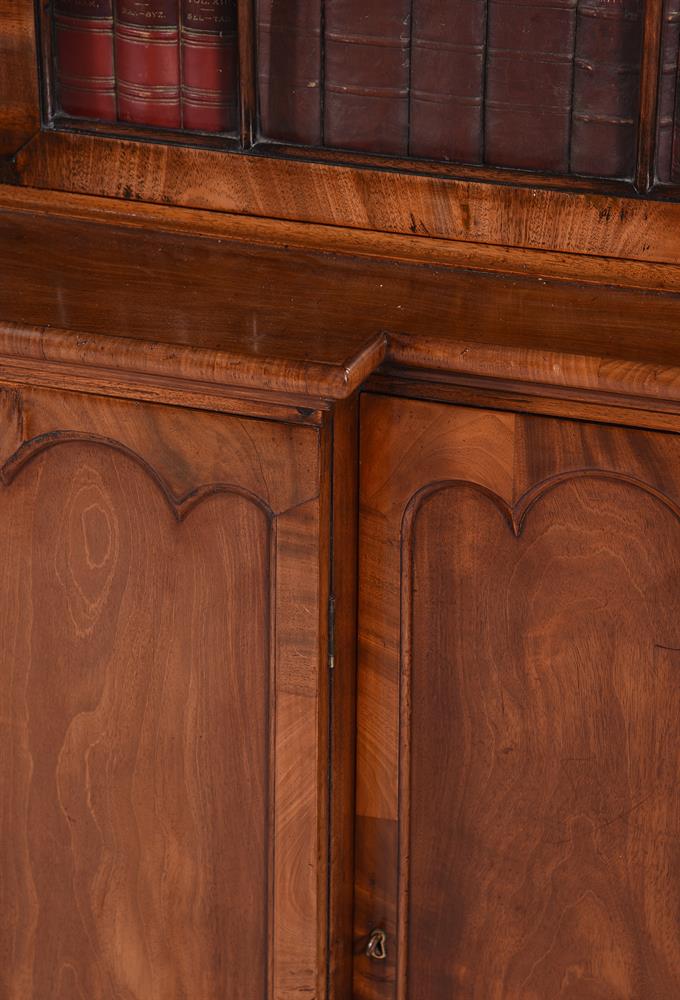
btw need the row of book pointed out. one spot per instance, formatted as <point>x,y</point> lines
<point>171,63</point>
<point>548,85</point>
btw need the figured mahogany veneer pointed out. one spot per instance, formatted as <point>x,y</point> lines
<point>519,698</point>
<point>183,447</point>
<point>159,680</point>
<point>230,313</point>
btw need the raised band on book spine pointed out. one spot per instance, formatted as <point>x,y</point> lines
<point>84,49</point>
<point>367,75</point>
<point>209,57</point>
<point>447,89</point>
<point>147,62</point>
<point>606,87</point>
<point>668,86</point>
<point>529,83</point>
<point>289,70</point>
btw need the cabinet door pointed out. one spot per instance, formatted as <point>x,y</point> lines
<point>161,737</point>
<point>519,707</point>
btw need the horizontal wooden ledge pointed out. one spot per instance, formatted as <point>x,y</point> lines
<point>636,383</point>
<point>308,379</point>
<point>553,369</point>
<point>521,216</point>
<point>357,242</point>
<point>99,297</point>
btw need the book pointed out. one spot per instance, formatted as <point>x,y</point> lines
<point>447,79</point>
<point>84,50</point>
<point>668,85</point>
<point>606,87</point>
<point>675,160</point>
<point>209,64</point>
<point>289,70</point>
<point>147,61</point>
<point>528,100</point>
<point>366,88</point>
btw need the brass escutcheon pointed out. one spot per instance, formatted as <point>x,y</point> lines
<point>376,945</point>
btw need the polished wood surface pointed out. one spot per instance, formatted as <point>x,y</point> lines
<point>651,70</point>
<point>343,650</point>
<point>230,313</point>
<point>184,334</point>
<point>165,748</point>
<point>521,212</point>
<point>518,706</point>
<point>581,268</point>
<point>19,109</point>
<point>155,302</point>
<point>524,397</point>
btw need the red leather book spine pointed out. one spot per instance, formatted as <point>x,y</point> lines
<point>367,75</point>
<point>84,49</point>
<point>668,84</point>
<point>447,79</point>
<point>209,60</point>
<point>289,70</point>
<point>147,62</point>
<point>606,87</point>
<point>529,83</point>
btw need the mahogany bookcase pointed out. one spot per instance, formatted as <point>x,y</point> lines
<point>340,507</point>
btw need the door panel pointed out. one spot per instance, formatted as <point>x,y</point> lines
<point>158,841</point>
<point>519,706</point>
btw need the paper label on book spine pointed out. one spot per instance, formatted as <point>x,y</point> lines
<point>149,13</point>
<point>209,15</point>
<point>84,8</point>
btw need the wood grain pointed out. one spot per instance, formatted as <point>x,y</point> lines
<point>576,266</point>
<point>247,317</point>
<point>343,586</point>
<point>245,401</point>
<point>163,835</point>
<point>521,215</point>
<point>517,785</point>
<point>19,108</point>
<point>650,74</point>
<point>523,397</point>
<point>191,309</point>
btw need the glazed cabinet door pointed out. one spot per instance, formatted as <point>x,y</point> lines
<point>519,708</point>
<point>162,747</point>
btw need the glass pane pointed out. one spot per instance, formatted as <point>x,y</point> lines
<point>168,63</point>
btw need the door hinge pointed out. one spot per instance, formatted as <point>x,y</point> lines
<point>331,632</point>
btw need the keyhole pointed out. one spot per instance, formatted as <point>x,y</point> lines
<point>376,945</point>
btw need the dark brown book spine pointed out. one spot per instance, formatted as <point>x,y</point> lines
<point>668,84</point>
<point>675,160</point>
<point>209,59</point>
<point>147,62</point>
<point>447,79</point>
<point>289,70</point>
<point>84,49</point>
<point>529,83</point>
<point>606,87</point>
<point>367,75</point>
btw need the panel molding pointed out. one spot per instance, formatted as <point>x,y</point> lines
<point>272,473</point>
<point>180,506</point>
<point>515,515</point>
